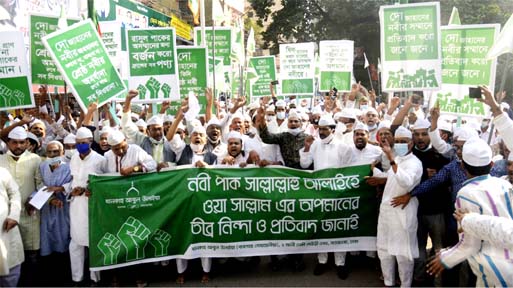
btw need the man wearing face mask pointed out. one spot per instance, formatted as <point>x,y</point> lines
<point>69,147</point>
<point>55,234</point>
<point>345,119</point>
<point>324,153</point>
<point>372,121</point>
<point>313,127</point>
<point>153,143</point>
<point>125,158</point>
<point>281,108</point>
<point>270,118</point>
<point>214,136</point>
<point>82,164</point>
<point>24,165</point>
<point>397,228</point>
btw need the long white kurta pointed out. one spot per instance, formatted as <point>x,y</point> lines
<point>333,154</point>
<point>94,163</point>
<point>367,155</point>
<point>397,228</point>
<point>135,155</point>
<point>11,246</point>
<point>492,264</point>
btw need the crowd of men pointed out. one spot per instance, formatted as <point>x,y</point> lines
<point>434,178</point>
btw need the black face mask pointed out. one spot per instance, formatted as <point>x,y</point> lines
<point>314,121</point>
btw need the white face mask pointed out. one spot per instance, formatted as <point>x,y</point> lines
<point>280,115</point>
<point>328,139</point>
<point>341,128</point>
<point>295,131</point>
<point>196,148</point>
<point>270,118</point>
<point>68,153</point>
<point>401,149</point>
<point>372,127</point>
<point>364,107</point>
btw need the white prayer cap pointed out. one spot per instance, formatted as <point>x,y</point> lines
<point>504,105</point>
<point>115,138</point>
<point>106,129</point>
<point>168,118</point>
<point>281,103</point>
<point>134,115</point>
<point>214,121</point>
<point>304,116</point>
<point>199,129</point>
<point>402,132</point>
<point>444,125</point>
<point>70,139</point>
<point>361,126</point>
<point>371,110</point>
<point>474,125</point>
<point>119,107</point>
<point>270,108</point>
<point>384,124</point>
<point>326,121</point>
<point>317,110</point>
<point>253,105</point>
<point>476,152</point>
<point>155,120</point>
<point>180,126</point>
<point>293,115</point>
<point>348,113</point>
<point>84,133</point>
<point>247,117</point>
<point>234,135</point>
<point>140,123</point>
<point>421,124</point>
<point>37,121</point>
<point>465,133</point>
<point>238,115</point>
<point>33,137</point>
<point>18,133</point>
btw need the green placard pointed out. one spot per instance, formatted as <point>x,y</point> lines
<point>15,89</point>
<point>265,68</point>
<point>192,67</point>
<point>336,65</point>
<point>410,45</point>
<point>191,213</point>
<point>152,64</point>
<point>223,42</point>
<point>464,65</point>
<point>297,68</point>
<point>85,64</point>
<point>44,71</point>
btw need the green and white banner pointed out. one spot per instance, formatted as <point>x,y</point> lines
<point>82,59</point>
<point>336,65</point>
<point>410,47</point>
<point>265,68</point>
<point>152,64</point>
<point>15,89</point>
<point>44,70</point>
<point>464,65</point>
<point>111,37</point>
<point>192,67</point>
<point>229,212</point>
<point>222,44</point>
<point>297,68</point>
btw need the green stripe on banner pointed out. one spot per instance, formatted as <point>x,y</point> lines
<point>226,212</point>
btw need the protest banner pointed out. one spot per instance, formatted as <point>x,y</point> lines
<point>192,67</point>
<point>84,63</point>
<point>410,47</point>
<point>152,64</point>
<point>111,37</point>
<point>222,49</point>
<point>229,212</point>
<point>265,68</point>
<point>44,71</point>
<point>336,65</point>
<point>15,89</point>
<point>464,65</point>
<point>297,68</point>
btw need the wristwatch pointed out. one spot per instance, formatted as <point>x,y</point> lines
<point>136,168</point>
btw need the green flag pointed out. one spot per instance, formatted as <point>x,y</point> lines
<point>455,17</point>
<point>238,45</point>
